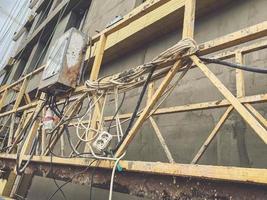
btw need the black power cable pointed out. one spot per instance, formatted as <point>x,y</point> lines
<point>137,107</point>
<point>234,65</point>
<point>64,184</point>
<point>118,109</point>
<point>24,130</point>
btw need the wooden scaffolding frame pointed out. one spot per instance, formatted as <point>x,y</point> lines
<point>240,102</point>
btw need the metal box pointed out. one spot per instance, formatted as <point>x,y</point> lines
<point>64,63</point>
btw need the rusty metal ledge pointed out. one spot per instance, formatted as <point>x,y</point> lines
<point>149,185</point>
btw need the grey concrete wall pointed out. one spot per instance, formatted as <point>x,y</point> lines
<point>43,188</point>
<point>102,12</point>
<point>236,143</point>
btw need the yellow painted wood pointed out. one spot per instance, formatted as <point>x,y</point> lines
<point>189,18</point>
<point>257,114</point>
<point>240,83</point>
<point>29,139</point>
<point>20,126</point>
<point>143,116</point>
<point>20,94</point>
<point>98,58</point>
<point>198,106</point>
<point>162,140</point>
<point>141,23</point>
<point>27,98</point>
<point>136,13</point>
<point>245,175</point>
<point>33,131</point>
<point>235,38</point>
<point>7,185</point>
<point>212,135</point>
<point>3,98</point>
<point>246,115</point>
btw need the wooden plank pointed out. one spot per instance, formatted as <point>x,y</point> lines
<point>189,19</point>
<point>199,106</point>
<point>150,91</point>
<point>94,121</point>
<point>22,108</point>
<point>3,98</point>
<point>99,56</point>
<point>245,175</point>
<point>136,13</point>
<point>257,114</point>
<point>7,187</point>
<point>27,98</point>
<point>28,141</point>
<point>17,136</point>
<point>11,129</point>
<point>240,83</point>
<point>250,119</point>
<point>94,75</point>
<point>141,23</point>
<point>20,94</point>
<point>161,140</point>
<point>235,38</point>
<point>212,135</point>
<point>148,108</point>
<point>38,70</point>
<point>256,46</point>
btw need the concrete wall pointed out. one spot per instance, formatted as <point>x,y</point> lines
<point>102,12</point>
<point>236,144</point>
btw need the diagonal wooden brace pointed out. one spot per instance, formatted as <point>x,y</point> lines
<point>212,135</point>
<point>143,116</point>
<point>240,108</point>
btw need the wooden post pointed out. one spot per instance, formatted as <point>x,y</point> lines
<point>98,58</point>
<point>21,126</point>
<point>93,76</point>
<point>240,83</point>
<point>20,94</point>
<point>247,116</point>
<point>3,97</point>
<point>189,18</point>
<point>33,131</point>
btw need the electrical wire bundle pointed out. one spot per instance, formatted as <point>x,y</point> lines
<point>136,76</point>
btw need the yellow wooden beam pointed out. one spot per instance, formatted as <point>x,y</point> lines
<point>246,115</point>
<point>257,114</point>
<point>189,18</point>
<point>143,116</point>
<point>212,135</point>
<point>162,140</point>
<point>245,175</point>
<point>235,38</point>
<point>99,57</point>
<point>140,23</point>
<point>240,82</point>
